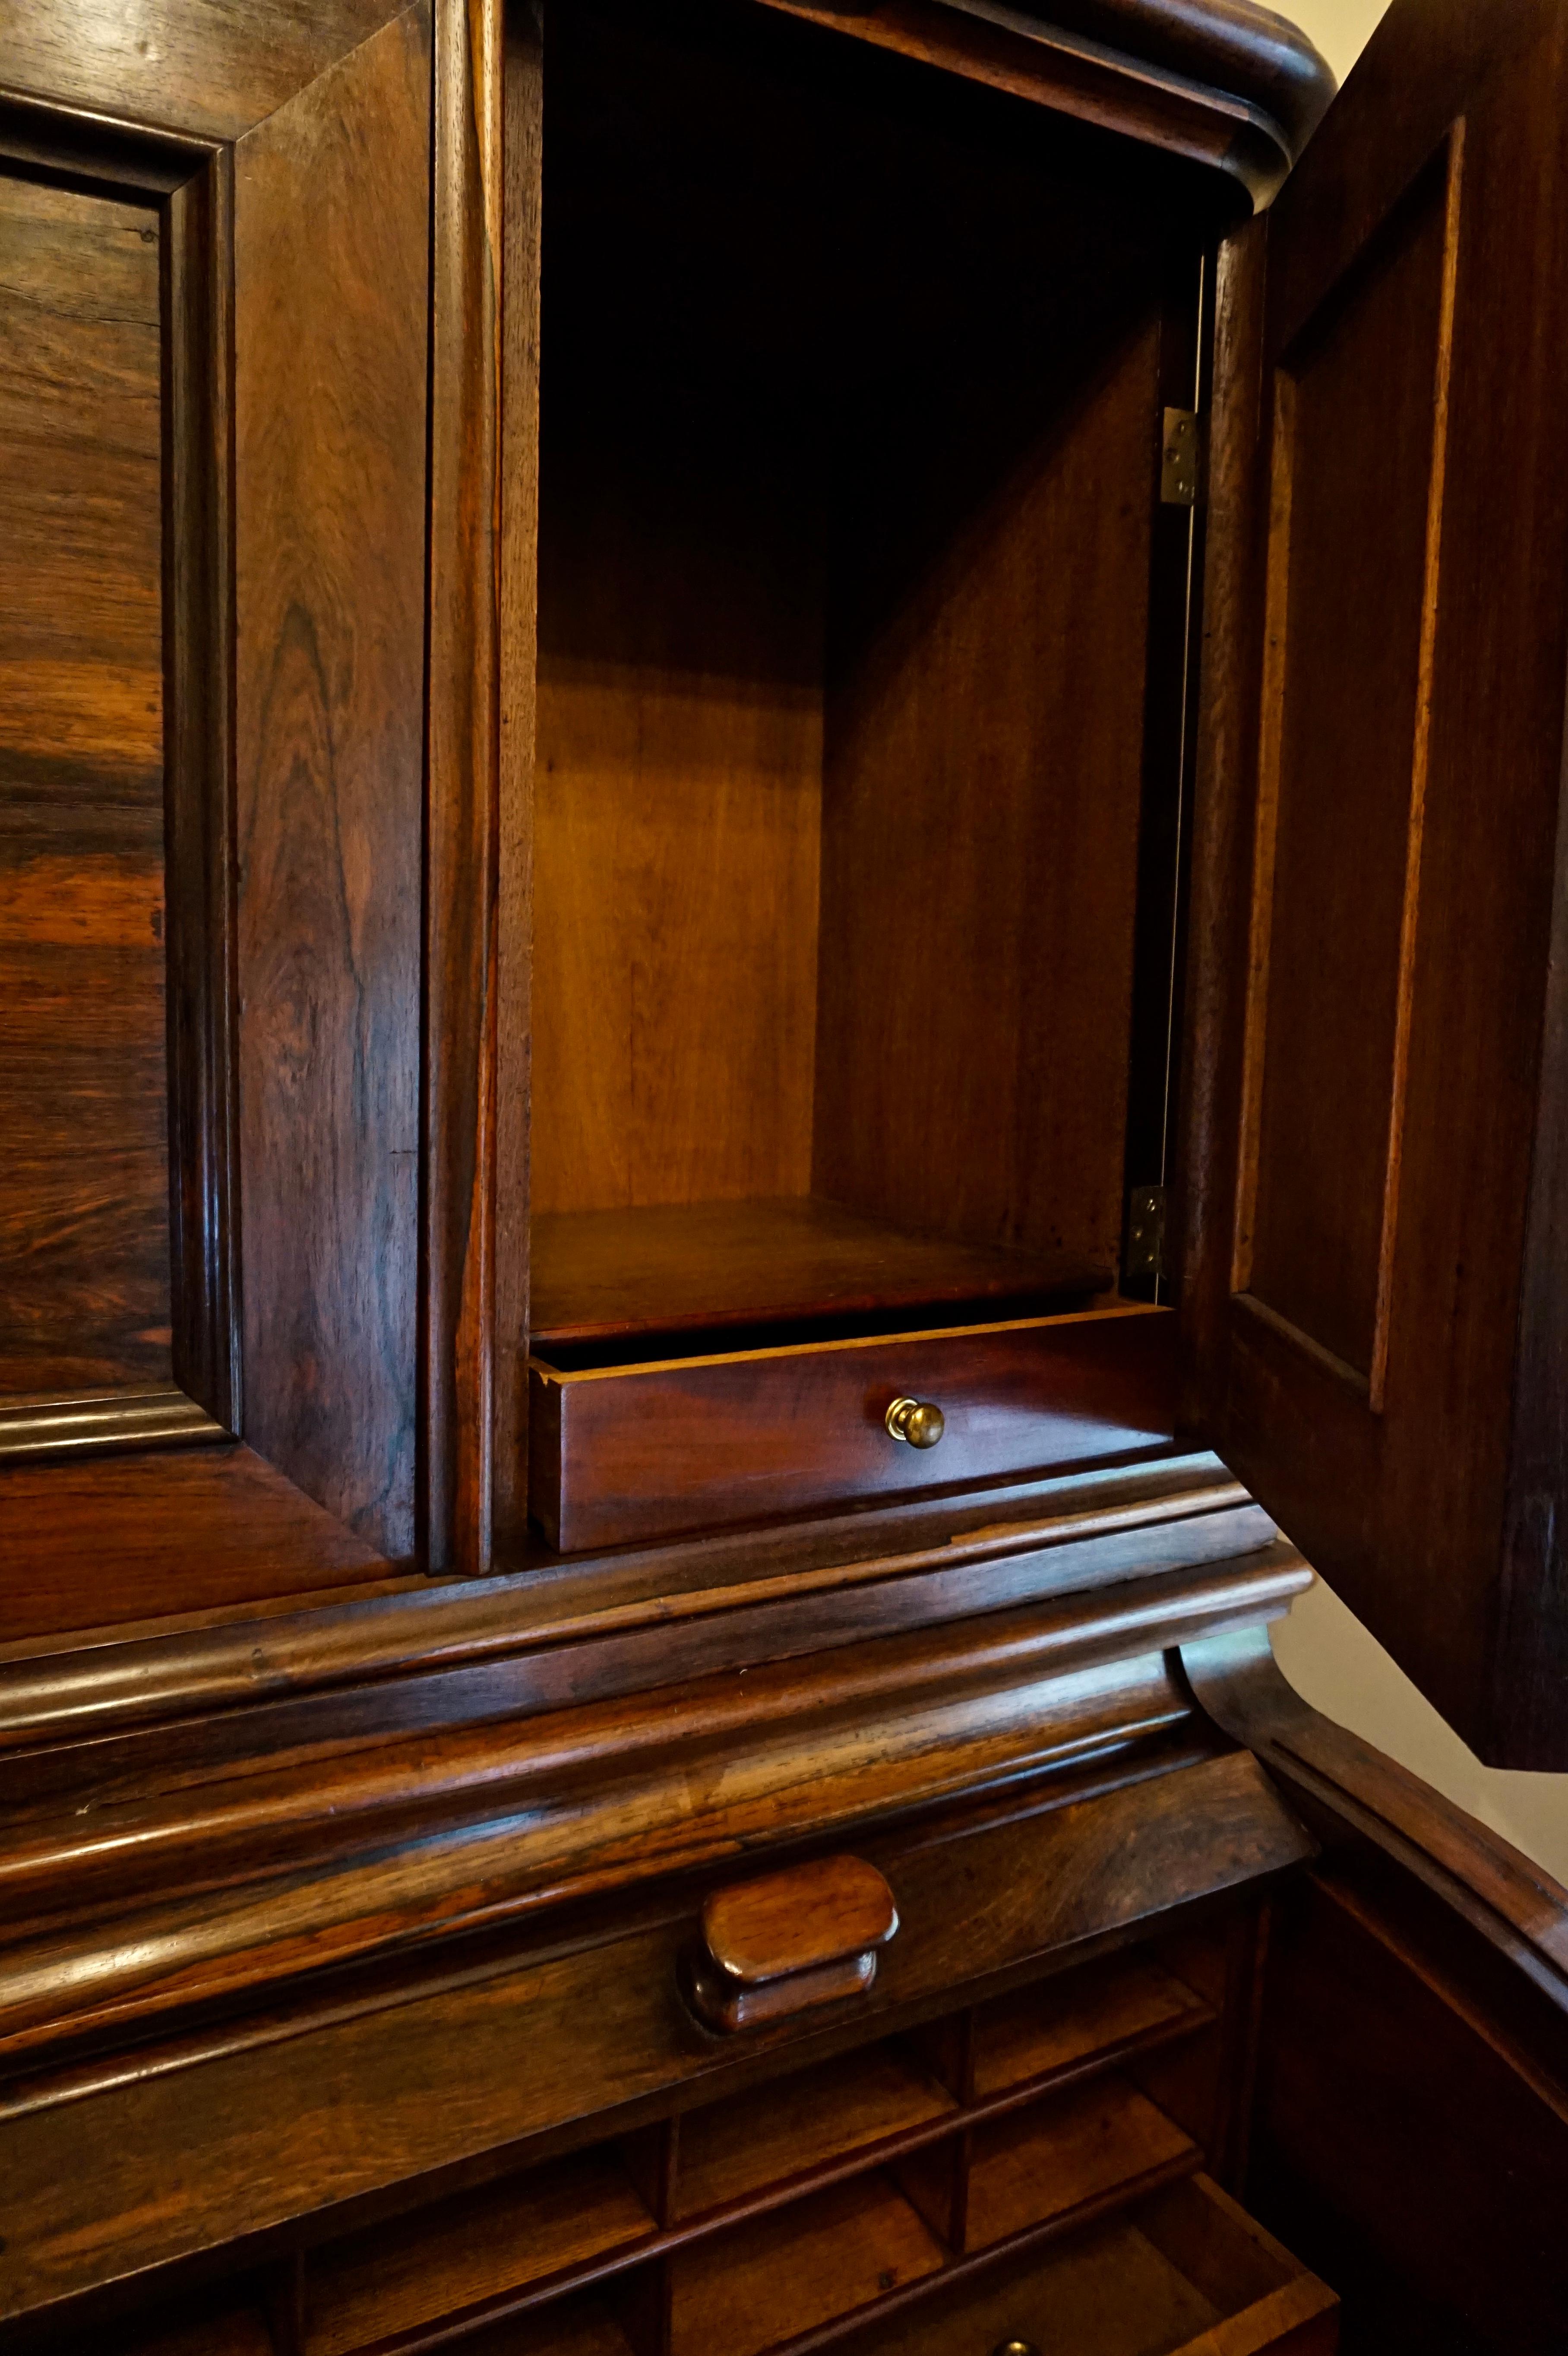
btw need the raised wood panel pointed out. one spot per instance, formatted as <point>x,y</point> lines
<point>84,1178</point>
<point>1360,422</point>
<point>1423,1474</point>
<point>133,1537</point>
<point>196,65</point>
<point>331,259</point>
<point>980,828</point>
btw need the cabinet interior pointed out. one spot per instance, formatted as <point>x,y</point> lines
<point>1039,2159</point>
<point>859,730</point>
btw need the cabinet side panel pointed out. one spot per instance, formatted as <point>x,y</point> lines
<point>84,1187</point>
<point>980,852</point>
<point>331,271</point>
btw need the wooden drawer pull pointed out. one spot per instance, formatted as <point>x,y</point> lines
<point>792,1939</point>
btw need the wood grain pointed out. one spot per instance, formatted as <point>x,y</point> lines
<point>674,1267</point>
<point>130,1538</point>
<point>522,201</point>
<point>261,2132</point>
<point>994,714</point>
<point>1358,428</point>
<point>1040,2030</point>
<point>392,2278</point>
<point>822,2258</point>
<point>332,285</point>
<point>1416,1500</point>
<point>202,71</point>
<point>1071,2149</point>
<point>731,2148</point>
<point>84,1189</point>
<point>680,625</point>
<point>631,1452</point>
<point>788,1922</point>
<point>462,847</point>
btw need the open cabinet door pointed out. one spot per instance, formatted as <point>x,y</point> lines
<point>1375,1268</point>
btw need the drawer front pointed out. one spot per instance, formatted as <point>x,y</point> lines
<point>644,1451</point>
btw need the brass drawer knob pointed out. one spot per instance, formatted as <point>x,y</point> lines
<point>918,1422</point>
<point>1015,2348</point>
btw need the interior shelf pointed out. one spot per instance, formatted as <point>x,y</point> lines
<point>799,1262</point>
<point>1184,2274</point>
<point>821,2117</point>
<point>1129,2002</point>
<point>1066,2155</point>
<point>787,2220</point>
<point>472,2248</point>
<point>804,2265</point>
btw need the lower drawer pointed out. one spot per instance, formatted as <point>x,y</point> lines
<point>1186,2273</point>
<point>619,1453</point>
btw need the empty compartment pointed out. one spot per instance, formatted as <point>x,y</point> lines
<point>808,2121</point>
<point>1073,2151</point>
<point>465,2252</point>
<point>1186,2271</point>
<point>1120,2005</point>
<point>760,2285</point>
<point>851,402</point>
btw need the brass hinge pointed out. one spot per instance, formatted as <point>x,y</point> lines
<point>1146,1231</point>
<point>1179,452</point>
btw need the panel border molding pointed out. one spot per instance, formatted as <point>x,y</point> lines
<point>187,184</point>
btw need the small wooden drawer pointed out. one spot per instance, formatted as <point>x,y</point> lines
<point>625,1452</point>
<point>1185,2273</point>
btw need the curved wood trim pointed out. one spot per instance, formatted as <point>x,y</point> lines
<point>1229,45</point>
<point>1517,1903</point>
<point>462,791</point>
<point>1086,1530</point>
<point>92,1424</point>
<point>171,1891</point>
<point>1220,82</point>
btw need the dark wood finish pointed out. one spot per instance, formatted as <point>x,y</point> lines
<point>461,827</point>
<point>331,282</point>
<point>995,710</point>
<point>96,1545</point>
<point>390,2279</point>
<point>321,2110</point>
<point>602,1275</point>
<point>1376,2055</point>
<point>775,1948</point>
<point>1363,1305</point>
<point>1186,2273</point>
<point>628,1452</point>
<point>787,1922</point>
<point>813,2117</point>
<point>199,796</point>
<point>173,200</point>
<point>1041,2162</point>
<point>1094,60</point>
<point>84,1186</point>
<point>90,1425</point>
<point>1044,2032</point>
<point>521,207</point>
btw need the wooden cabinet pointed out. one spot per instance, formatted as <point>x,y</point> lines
<point>779,807</point>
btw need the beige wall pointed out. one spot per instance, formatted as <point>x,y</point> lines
<point>1339,27</point>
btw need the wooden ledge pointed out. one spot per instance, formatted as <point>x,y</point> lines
<point>182,1895</point>
<point>786,1589</point>
<point>1220,82</point>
